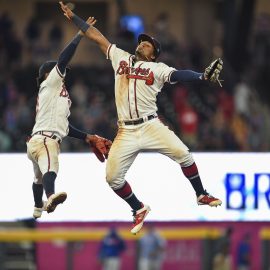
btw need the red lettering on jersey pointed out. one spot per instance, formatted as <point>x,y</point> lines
<point>123,68</point>
<point>64,92</point>
<point>136,73</point>
<point>149,80</point>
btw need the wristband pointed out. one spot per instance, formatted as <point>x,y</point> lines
<point>80,23</point>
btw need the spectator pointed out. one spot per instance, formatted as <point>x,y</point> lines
<point>244,253</point>
<point>222,259</point>
<point>242,98</point>
<point>188,120</point>
<point>225,239</point>
<point>112,246</point>
<point>151,250</point>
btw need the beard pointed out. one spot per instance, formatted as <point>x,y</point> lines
<point>139,54</point>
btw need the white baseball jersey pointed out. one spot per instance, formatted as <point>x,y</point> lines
<point>53,105</point>
<point>136,85</point>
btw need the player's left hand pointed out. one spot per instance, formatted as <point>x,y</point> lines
<point>212,72</point>
<point>100,146</point>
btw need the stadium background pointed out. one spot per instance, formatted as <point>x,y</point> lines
<point>209,118</point>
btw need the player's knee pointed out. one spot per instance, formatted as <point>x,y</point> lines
<point>111,173</point>
<point>186,159</point>
<point>114,175</point>
<point>114,180</point>
<point>180,155</point>
<point>111,179</point>
<point>116,184</point>
<point>109,176</point>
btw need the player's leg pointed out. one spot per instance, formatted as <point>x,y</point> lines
<point>47,159</point>
<point>37,188</point>
<point>160,138</point>
<point>122,154</point>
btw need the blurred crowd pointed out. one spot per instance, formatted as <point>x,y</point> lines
<point>207,117</point>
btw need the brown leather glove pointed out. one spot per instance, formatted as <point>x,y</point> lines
<point>212,72</point>
<point>100,146</point>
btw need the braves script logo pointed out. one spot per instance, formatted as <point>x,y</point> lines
<point>136,73</point>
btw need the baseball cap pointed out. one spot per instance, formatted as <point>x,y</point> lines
<point>47,67</point>
<point>153,41</point>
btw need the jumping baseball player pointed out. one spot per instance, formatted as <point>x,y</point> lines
<point>51,126</point>
<point>138,80</point>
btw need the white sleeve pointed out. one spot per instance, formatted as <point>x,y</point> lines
<point>55,77</point>
<point>116,55</point>
<point>164,72</point>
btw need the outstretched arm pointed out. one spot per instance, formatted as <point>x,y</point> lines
<point>186,76</point>
<point>89,31</point>
<point>76,133</point>
<point>66,55</point>
<point>211,73</point>
<point>100,146</point>
<point>68,52</point>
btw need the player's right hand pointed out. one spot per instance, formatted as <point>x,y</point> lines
<point>67,11</point>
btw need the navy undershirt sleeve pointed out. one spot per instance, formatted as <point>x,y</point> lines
<point>80,23</point>
<point>185,76</point>
<point>67,53</point>
<point>76,133</point>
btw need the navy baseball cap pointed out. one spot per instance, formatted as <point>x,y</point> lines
<point>153,41</point>
<point>47,67</point>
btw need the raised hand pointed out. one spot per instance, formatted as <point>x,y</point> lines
<point>67,11</point>
<point>91,21</point>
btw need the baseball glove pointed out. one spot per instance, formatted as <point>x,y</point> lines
<point>100,147</point>
<point>212,72</point>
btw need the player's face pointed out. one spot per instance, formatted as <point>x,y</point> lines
<point>146,50</point>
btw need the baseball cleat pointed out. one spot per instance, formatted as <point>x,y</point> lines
<point>207,199</point>
<point>54,200</point>
<point>138,218</point>
<point>38,211</point>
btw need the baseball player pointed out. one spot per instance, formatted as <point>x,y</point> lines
<point>138,80</point>
<point>51,126</point>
